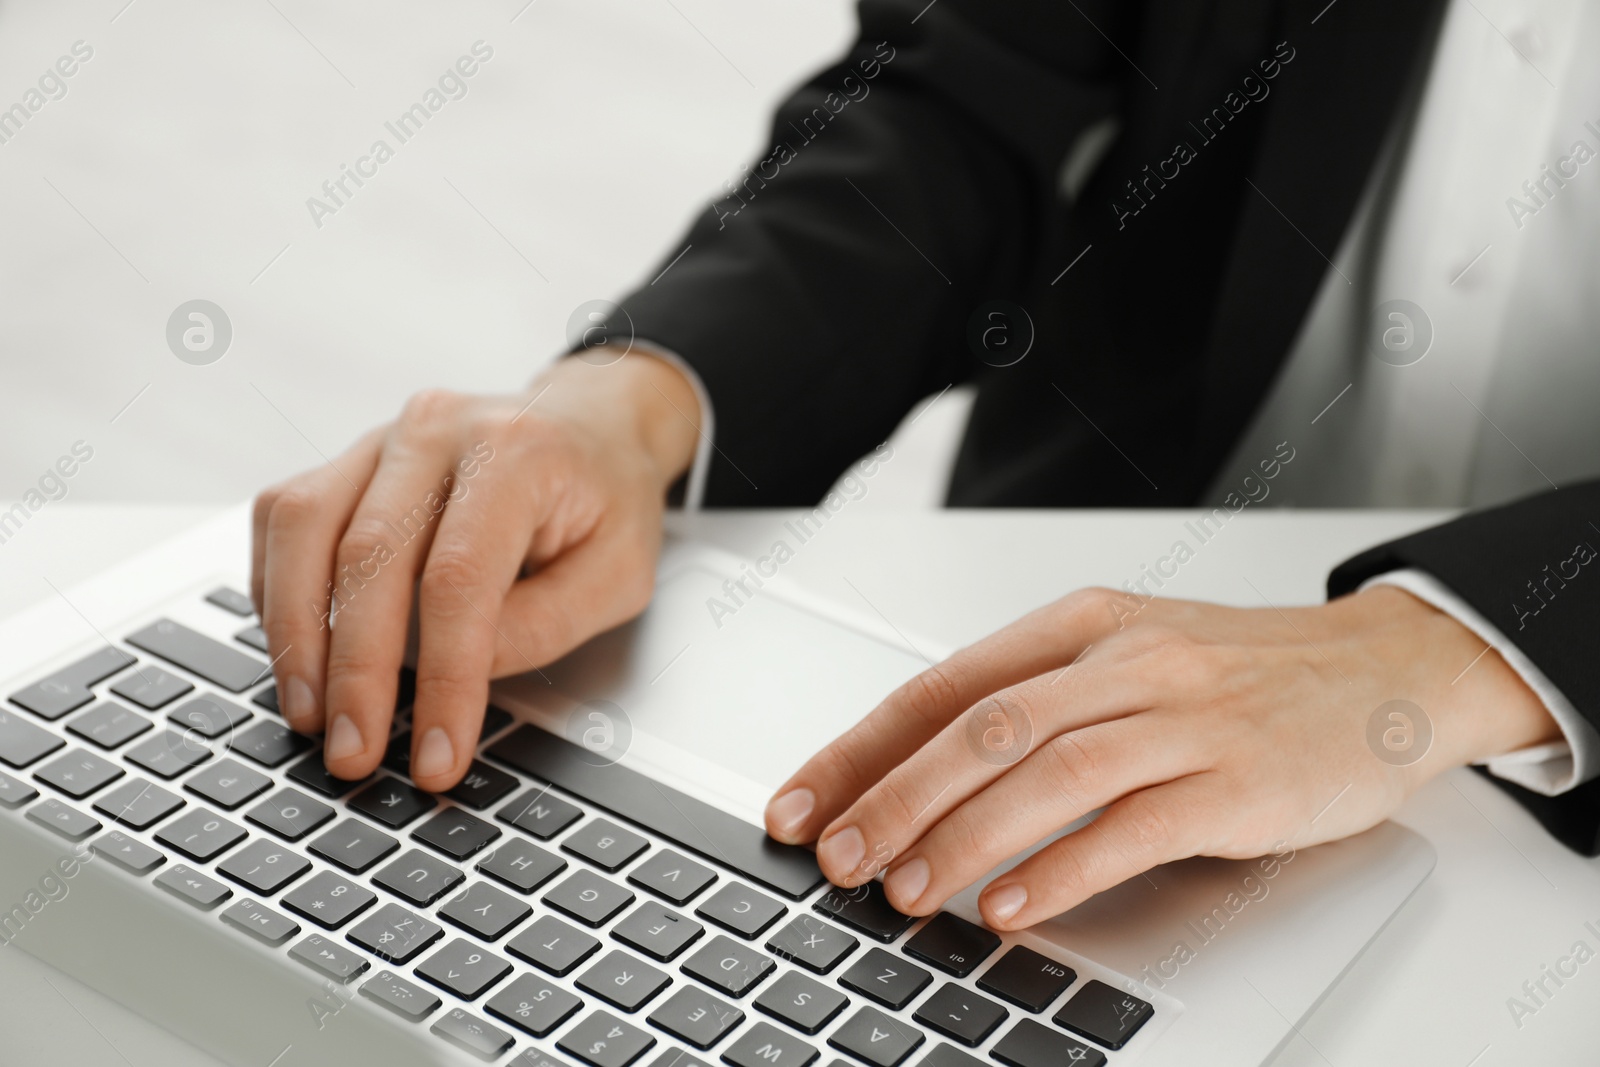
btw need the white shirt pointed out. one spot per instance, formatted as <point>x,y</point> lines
<point>1502,400</point>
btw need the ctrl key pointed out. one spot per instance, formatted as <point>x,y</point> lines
<point>466,1031</point>
<point>400,996</point>
<point>261,922</point>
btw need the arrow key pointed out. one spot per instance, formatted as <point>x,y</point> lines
<point>875,1038</point>
<point>329,958</point>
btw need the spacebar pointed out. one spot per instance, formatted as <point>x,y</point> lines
<point>661,809</point>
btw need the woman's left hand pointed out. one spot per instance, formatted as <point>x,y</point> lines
<point>1201,730</point>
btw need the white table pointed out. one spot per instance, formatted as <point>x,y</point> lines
<point>1504,900</point>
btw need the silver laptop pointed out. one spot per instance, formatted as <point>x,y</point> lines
<point>598,892</point>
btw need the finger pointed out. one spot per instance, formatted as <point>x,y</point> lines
<point>302,529</point>
<point>965,758</point>
<point>479,549</point>
<point>259,513</point>
<point>1061,781</point>
<point>375,568</point>
<point>1147,828</point>
<point>830,781</point>
<point>592,587</point>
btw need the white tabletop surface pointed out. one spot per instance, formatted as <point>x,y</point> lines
<point>1504,901</point>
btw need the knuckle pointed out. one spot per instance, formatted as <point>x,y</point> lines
<point>1074,764</point>
<point>895,800</point>
<point>364,541</point>
<point>1147,827</point>
<point>967,836</point>
<point>449,573</point>
<point>293,507</point>
<point>429,408</point>
<point>932,695</point>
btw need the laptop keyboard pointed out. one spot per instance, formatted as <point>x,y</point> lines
<point>551,897</point>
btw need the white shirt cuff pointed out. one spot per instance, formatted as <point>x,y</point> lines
<point>695,491</point>
<point>1549,769</point>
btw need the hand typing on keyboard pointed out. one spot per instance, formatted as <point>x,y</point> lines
<point>1199,729</point>
<point>516,527</point>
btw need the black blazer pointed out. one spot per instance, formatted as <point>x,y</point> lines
<point>847,275</point>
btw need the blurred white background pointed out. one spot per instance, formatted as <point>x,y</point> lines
<point>178,165</point>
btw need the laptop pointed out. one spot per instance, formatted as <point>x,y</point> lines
<point>598,892</point>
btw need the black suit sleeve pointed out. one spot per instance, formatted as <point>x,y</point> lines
<point>1532,569</point>
<point>828,290</point>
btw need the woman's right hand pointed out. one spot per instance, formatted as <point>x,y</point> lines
<point>521,526</point>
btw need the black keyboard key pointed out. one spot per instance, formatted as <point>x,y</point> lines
<point>23,742</point>
<point>353,845</point>
<point>418,877</point>
<point>193,887</point>
<point>312,773</point>
<point>588,897</point>
<point>521,864</point>
<point>1027,979</point>
<point>886,978</point>
<point>400,996</point>
<point>227,783</point>
<point>875,1038</point>
<point>553,945</point>
<point>464,969</point>
<point>952,944</point>
<point>394,934</point>
<point>68,688</point>
<point>945,1055</point>
<point>483,910</point>
<point>270,744</point>
<point>741,909</point>
<point>69,822</point>
<point>200,655</point>
<point>1104,1014</point>
<point>150,687</point>
<point>605,844</point>
<point>290,814</point>
<point>78,772</point>
<point>169,753</point>
<point>865,908</point>
<point>456,833</point>
<point>329,958</point>
<point>260,921</point>
<point>264,866</point>
<point>812,943</point>
<point>657,931</point>
<point>14,793</point>
<point>540,814</point>
<point>1030,1044</point>
<point>138,804</point>
<point>764,1045</point>
<point>392,802</point>
<point>672,876</point>
<point>494,720</point>
<point>726,965</point>
<point>468,1032</point>
<point>690,823</point>
<point>695,1017</point>
<point>397,756</point>
<point>482,786</point>
<point>533,1005</point>
<point>328,900</point>
<point>603,1040</point>
<point>252,637</point>
<point>804,1003</point>
<point>208,716</point>
<point>200,835</point>
<point>960,1014</point>
<point>623,981</point>
<point>267,700</point>
<point>231,600</point>
<point>671,1057</point>
<point>109,724</point>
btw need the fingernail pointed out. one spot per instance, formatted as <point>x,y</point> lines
<point>299,703</point>
<point>1006,901</point>
<point>905,884</point>
<point>843,851</point>
<point>344,740</point>
<point>789,811</point>
<point>435,755</point>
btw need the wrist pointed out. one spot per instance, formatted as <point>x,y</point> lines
<point>652,400</point>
